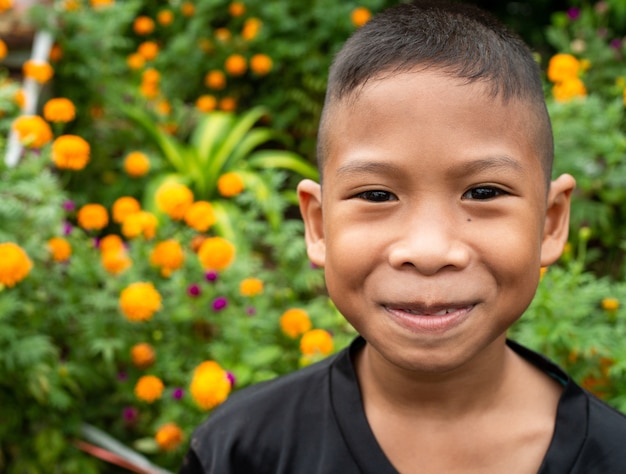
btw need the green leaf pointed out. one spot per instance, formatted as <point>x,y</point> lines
<point>283,159</point>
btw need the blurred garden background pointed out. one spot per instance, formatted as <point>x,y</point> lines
<point>151,252</point>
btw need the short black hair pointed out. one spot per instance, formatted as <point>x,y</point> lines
<point>460,40</point>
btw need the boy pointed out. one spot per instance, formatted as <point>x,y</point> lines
<point>434,215</point>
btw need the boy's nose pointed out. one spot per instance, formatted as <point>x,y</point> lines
<point>429,242</point>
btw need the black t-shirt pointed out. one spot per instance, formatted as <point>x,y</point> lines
<point>313,421</point>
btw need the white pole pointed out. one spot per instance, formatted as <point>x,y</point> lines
<point>42,43</point>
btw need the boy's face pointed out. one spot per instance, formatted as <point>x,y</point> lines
<point>433,222</point>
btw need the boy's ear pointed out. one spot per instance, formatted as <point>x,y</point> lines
<point>310,198</point>
<point>556,226</point>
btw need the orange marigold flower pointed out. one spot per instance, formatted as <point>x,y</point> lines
<point>148,50</point>
<point>32,131</point>
<point>230,184</point>
<point>5,5</point>
<point>316,341</point>
<point>136,164</point>
<point>101,3</point>
<point>143,355</point>
<point>294,322</point>
<point>111,242</point>
<point>236,9</point>
<point>123,207</point>
<point>187,9</point>
<point>228,104</point>
<point>174,199</point>
<point>139,301</point>
<point>542,272</point>
<point>222,34</point>
<point>70,152</point>
<point>261,64</point>
<point>71,5</point>
<point>360,16</point>
<point>135,61</point>
<point>251,28</point>
<point>141,223</point>
<point>3,50</point>
<point>60,248</point>
<point>39,71</point>
<point>143,25</point>
<point>168,255</point>
<point>216,253</point>
<point>206,45</point>
<point>115,260</point>
<point>169,437</point>
<point>200,216</point>
<point>610,304</point>
<point>56,53</point>
<point>14,264</point>
<point>562,67</point>
<point>251,287</point>
<point>20,98</point>
<point>206,103</point>
<point>164,107</point>
<point>215,79</point>
<point>149,90</point>
<point>165,17</point>
<point>210,385</point>
<point>92,217</point>
<point>59,109</point>
<point>569,89</point>
<point>236,65</point>
<point>149,388</point>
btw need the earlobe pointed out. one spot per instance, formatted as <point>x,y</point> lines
<point>556,226</point>
<point>310,199</point>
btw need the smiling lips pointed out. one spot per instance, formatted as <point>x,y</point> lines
<point>429,319</point>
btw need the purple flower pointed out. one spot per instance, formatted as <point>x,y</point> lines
<point>616,43</point>
<point>130,414</point>
<point>573,13</point>
<point>178,393</point>
<point>219,303</point>
<point>194,290</point>
<point>250,310</point>
<point>211,275</point>
<point>122,376</point>
<point>67,228</point>
<point>69,206</point>
<point>231,378</point>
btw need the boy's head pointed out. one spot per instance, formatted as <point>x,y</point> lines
<point>435,219</point>
<point>458,40</point>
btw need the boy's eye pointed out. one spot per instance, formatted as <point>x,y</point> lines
<point>483,193</point>
<point>376,196</point>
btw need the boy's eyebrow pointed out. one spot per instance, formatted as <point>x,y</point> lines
<point>490,163</point>
<point>365,166</point>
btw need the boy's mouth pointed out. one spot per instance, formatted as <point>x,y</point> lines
<point>429,318</point>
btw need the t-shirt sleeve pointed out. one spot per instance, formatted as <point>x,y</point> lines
<point>191,464</point>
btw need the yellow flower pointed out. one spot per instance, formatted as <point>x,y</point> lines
<point>294,322</point>
<point>148,50</point>
<point>14,264</point>
<point>251,287</point>
<point>230,184</point>
<point>569,89</point>
<point>215,79</point>
<point>111,242</point>
<point>149,388</point>
<point>174,199</point>
<point>610,304</point>
<point>123,207</point>
<point>141,223</point>
<point>39,71</point>
<point>210,385</point>
<point>59,109</point>
<point>235,65</point>
<point>168,255</point>
<point>251,28</point>
<point>200,216</point>
<point>143,355</point>
<point>261,64</point>
<point>188,9</point>
<point>206,103</point>
<point>316,341</point>
<point>60,248</point>
<point>3,50</point>
<point>32,131</point>
<point>216,253</point>
<point>136,164</point>
<point>165,17</point>
<point>360,16</point>
<point>143,25</point>
<point>70,152</point>
<point>115,260</point>
<point>563,67</point>
<point>135,61</point>
<point>236,9</point>
<point>169,437</point>
<point>139,301</point>
<point>92,217</point>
